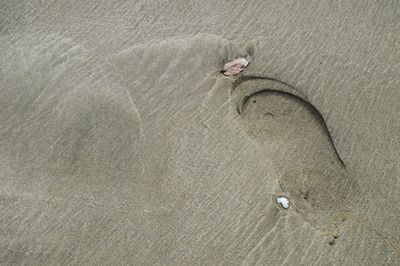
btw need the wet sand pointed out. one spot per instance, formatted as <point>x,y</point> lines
<point>121,143</point>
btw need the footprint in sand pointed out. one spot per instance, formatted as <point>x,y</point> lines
<point>292,132</point>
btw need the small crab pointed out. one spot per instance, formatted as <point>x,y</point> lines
<point>235,66</point>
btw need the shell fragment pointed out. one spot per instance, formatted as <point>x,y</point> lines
<point>283,201</point>
<point>235,66</point>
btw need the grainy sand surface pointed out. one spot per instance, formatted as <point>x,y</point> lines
<point>121,143</point>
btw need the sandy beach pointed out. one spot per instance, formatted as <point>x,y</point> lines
<point>121,143</point>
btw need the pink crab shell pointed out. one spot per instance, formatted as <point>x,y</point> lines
<point>235,66</point>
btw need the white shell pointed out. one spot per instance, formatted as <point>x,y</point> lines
<point>283,201</point>
<point>235,66</point>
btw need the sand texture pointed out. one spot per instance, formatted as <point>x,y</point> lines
<point>121,143</point>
